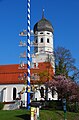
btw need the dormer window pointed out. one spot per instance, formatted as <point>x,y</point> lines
<point>47,40</point>
<point>41,40</point>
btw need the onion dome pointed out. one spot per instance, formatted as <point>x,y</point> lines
<point>43,25</point>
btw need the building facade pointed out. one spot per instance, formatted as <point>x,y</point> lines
<point>13,78</point>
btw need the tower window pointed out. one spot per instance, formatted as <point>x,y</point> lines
<point>41,40</point>
<point>47,40</point>
<point>41,33</point>
<point>36,41</point>
<point>35,49</point>
<point>48,33</point>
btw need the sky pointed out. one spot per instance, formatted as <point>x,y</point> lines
<point>63,14</point>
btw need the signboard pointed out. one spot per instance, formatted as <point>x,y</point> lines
<point>64,105</point>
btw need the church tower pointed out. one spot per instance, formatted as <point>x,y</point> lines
<point>43,42</point>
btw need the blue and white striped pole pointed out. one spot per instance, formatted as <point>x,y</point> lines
<point>28,54</point>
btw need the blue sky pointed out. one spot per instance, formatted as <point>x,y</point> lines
<point>63,14</point>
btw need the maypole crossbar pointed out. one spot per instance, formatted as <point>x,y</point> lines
<point>28,54</point>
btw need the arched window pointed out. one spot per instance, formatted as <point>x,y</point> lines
<point>53,92</point>
<point>14,93</point>
<point>42,92</point>
<point>36,41</point>
<point>47,40</point>
<point>41,40</point>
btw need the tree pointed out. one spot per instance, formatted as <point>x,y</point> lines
<point>65,87</point>
<point>65,64</point>
<point>65,74</point>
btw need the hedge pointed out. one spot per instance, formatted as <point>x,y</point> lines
<point>1,105</point>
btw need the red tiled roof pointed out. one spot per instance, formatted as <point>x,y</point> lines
<point>9,73</point>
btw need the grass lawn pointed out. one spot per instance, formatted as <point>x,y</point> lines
<point>44,115</point>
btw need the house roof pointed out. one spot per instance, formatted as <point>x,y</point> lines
<point>9,74</point>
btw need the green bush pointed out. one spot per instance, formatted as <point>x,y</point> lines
<point>58,105</point>
<point>53,105</point>
<point>1,105</point>
<point>73,107</point>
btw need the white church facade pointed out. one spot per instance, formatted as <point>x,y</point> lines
<point>13,78</point>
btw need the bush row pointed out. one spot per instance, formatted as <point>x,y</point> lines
<point>73,107</point>
<point>58,105</point>
<point>1,105</point>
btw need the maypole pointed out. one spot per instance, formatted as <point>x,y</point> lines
<point>28,54</point>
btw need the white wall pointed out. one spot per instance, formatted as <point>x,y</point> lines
<point>6,91</point>
<point>49,93</point>
<point>44,46</point>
